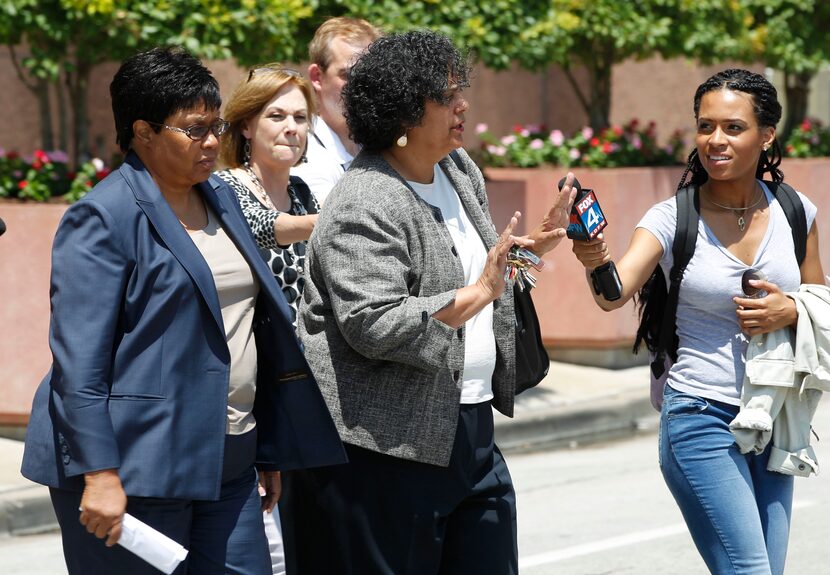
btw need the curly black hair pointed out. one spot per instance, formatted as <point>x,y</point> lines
<point>390,84</point>
<point>767,113</point>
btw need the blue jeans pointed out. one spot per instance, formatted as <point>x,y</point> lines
<point>738,513</point>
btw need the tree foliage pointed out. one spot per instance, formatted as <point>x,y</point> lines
<point>66,38</point>
<point>792,36</point>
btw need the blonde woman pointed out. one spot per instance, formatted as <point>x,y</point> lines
<point>270,118</point>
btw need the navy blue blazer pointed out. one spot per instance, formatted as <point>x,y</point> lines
<point>139,378</point>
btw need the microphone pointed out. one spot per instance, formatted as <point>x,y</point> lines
<point>2,227</point>
<point>586,222</point>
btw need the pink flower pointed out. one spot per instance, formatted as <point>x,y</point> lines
<point>587,132</point>
<point>557,138</point>
<point>507,140</point>
<point>524,132</point>
<point>537,144</point>
<point>815,140</point>
<point>58,156</point>
<point>481,127</point>
<point>535,128</point>
<point>606,148</point>
<point>97,163</point>
<point>806,125</point>
<point>574,154</point>
<point>636,142</point>
<point>497,150</point>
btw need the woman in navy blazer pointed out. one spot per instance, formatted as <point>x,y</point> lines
<point>175,368</point>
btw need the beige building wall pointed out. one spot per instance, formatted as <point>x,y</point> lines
<point>651,90</point>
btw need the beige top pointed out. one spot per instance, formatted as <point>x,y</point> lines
<point>237,288</point>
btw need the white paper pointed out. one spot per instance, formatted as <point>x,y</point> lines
<point>154,547</point>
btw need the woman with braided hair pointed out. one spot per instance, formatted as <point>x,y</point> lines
<point>737,511</point>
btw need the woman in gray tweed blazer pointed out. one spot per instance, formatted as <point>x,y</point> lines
<point>409,330</point>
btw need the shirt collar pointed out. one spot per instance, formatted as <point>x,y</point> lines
<point>331,141</point>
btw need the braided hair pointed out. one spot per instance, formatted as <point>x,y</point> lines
<point>767,113</point>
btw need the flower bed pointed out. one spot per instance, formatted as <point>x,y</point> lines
<point>531,145</point>
<point>44,175</point>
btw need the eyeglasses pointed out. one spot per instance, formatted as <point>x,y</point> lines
<point>198,132</point>
<point>287,71</point>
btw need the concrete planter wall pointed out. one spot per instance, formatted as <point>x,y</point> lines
<point>569,318</point>
<point>25,261</point>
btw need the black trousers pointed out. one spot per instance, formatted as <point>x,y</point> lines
<point>379,514</point>
<point>223,537</point>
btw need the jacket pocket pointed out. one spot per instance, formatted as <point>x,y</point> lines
<point>765,371</point>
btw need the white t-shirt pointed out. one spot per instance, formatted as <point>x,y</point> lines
<point>328,160</point>
<point>479,340</point>
<point>712,347</point>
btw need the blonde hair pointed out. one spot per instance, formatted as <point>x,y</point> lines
<point>350,30</point>
<point>249,98</point>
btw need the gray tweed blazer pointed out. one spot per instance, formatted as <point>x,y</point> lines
<point>380,263</point>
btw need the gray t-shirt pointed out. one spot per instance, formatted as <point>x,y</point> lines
<point>710,354</point>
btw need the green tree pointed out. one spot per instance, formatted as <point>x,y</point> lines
<point>593,35</point>
<point>67,38</point>
<point>792,36</point>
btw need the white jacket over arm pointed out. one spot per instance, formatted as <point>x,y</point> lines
<point>786,373</point>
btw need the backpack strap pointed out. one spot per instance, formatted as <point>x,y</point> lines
<point>683,248</point>
<point>794,210</point>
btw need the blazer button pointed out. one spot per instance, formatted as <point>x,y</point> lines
<point>456,374</point>
<point>801,467</point>
<point>460,332</point>
<point>454,251</point>
<point>66,460</point>
<point>424,316</point>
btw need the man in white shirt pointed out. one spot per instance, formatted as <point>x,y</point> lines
<point>336,45</point>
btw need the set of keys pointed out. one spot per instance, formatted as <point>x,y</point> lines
<point>519,262</point>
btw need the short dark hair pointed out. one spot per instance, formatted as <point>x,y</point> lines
<point>154,85</point>
<point>767,113</point>
<point>391,82</point>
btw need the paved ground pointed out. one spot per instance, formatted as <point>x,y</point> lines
<point>573,405</point>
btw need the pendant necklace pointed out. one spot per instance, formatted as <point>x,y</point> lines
<point>739,212</point>
<point>266,199</point>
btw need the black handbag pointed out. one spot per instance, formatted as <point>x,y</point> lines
<point>532,361</point>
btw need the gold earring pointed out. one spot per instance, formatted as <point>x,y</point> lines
<point>402,141</point>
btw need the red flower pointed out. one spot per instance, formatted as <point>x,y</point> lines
<point>39,159</point>
<point>790,148</point>
<point>806,125</point>
<point>517,128</point>
<point>88,183</point>
<point>617,130</point>
<point>606,148</point>
<point>594,142</point>
<point>22,184</point>
<point>101,174</point>
<point>12,155</point>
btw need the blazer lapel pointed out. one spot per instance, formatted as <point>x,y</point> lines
<point>170,230</point>
<point>216,194</point>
